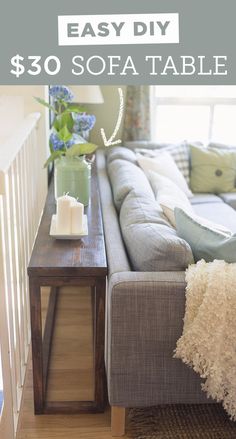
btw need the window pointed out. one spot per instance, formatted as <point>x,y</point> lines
<point>204,113</point>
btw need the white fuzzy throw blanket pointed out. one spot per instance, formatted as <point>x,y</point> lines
<point>208,343</point>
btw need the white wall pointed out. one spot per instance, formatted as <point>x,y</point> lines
<point>106,113</point>
<point>11,114</point>
<point>23,96</point>
<point>26,94</point>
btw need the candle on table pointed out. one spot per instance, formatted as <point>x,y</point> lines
<point>77,214</point>
<point>64,215</point>
<point>72,199</point>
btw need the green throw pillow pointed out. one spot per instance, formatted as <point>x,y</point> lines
<point>205,242</point>
<point>212,170</point>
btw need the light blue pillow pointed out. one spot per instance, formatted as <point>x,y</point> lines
<point>205,242</point>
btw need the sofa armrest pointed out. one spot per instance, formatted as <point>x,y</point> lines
<point>144,320</point>
<point>147,278</point>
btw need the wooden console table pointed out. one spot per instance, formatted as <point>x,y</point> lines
<point>57,263</point>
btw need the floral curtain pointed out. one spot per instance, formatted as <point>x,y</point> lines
<point>137,113</point>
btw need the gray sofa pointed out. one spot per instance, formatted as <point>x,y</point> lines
<point>145,309</point>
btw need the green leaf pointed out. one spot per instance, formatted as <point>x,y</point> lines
<point>63,119</point>
<point>51,147</point>
<point>74,108</point>
<point>54,155</point>
<point>81,149</point>
<point>64,134</point>
<point>88,148</point>
<point>56,124</point>
<point>46,104</point>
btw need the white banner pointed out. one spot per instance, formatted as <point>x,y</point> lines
<point>82,30</point>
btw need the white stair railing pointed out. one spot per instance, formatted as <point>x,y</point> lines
<point>22,196</point>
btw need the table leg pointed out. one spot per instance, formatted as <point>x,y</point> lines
<point>37,348</point>
<point>100,383</point>
<point>93,301</point>
<point>48,333</point>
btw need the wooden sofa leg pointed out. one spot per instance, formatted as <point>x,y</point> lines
<point>117,421</point>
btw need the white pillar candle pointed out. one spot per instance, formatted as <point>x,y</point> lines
<point>64,215</point>
<point>72,199</point>
<point>77,214</point>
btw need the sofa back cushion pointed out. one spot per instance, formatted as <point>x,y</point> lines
<point>124,177</point>
<point>165,165</point>
<point>152,244</point>
<point>222,146</point>
<point>178,151</point>
<point>169,196</point>
<point>213,170</point>
<point>122,153</point>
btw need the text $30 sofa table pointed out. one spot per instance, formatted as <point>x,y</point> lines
<point>57,263</point>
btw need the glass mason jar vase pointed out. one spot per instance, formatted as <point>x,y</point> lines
<point>72,175</point>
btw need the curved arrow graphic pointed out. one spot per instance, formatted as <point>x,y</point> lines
<point>111,141</point>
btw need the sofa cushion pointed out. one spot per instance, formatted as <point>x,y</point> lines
<point>229,198</point>
<point>165,165</point>
<point>168,195</point>
<point>152,244</point>
<point>205,198</point>
<point>124,177</point>
<point>120,152</point>
<point>212,170</point>
<point>179,153</point>
<point>222,146</point>
<point>219,213</point>
<point>206,242</point>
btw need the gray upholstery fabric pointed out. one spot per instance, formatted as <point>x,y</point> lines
<point>144,315</point>
<point>205,198</point>
<point>117,258</point>
<point>219,213</point>
<point>152,244</point>
<point>124,177</point>
<point>120,152</point>
<point>152,145</point>
<point>229,198</point>
<point>145,144</point>
<point>145,319</point>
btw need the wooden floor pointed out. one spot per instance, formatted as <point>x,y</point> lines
<point>70,377</point>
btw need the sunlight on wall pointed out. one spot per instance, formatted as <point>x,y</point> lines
<point>11,114</point>
<point>106,113</point>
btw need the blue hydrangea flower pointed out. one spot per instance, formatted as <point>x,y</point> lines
<point>83,122</point>
<point>61,93</point>
<point>59,145</point>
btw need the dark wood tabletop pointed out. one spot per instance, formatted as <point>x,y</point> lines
<point>55,263</point>
<point>82,257</point>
